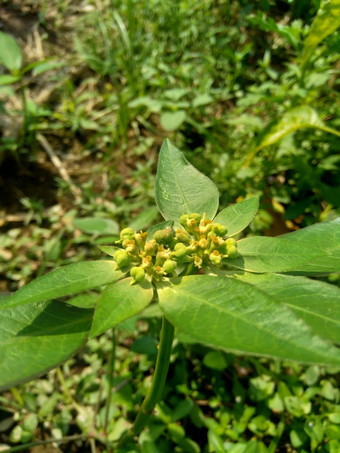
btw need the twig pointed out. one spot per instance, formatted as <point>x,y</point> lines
<point>59,165</point>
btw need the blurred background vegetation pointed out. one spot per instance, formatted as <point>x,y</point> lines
<point>249,91</point>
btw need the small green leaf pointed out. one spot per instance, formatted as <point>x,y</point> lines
<point>238,216</point>
<point>109,249</point>
<point>37,337</point>
<point>97,225</point>
<point>241,319</point>
<point>171,121</point>
<point>10,53</point>
<point>181,188</point>
<point>118,302</point>
<point>7,79</point>
<point>65,281</point>
<point>316,303</point>
<point>326,22</point>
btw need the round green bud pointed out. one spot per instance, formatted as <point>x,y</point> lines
<point>232,251</point>
<point>183,220</point>
<point>137,274</point>
<point>215,258</point>
<point>169,266</point>
<point>122,258</point>
<point>179,245</point>
<point>219,230</point>
<point>179,253</point>
<point>127,233</point>
<point>231,242</point>
<point>196,217</point>
<point>183,236</point>
<point>164,237</point>
<point>150,247</point>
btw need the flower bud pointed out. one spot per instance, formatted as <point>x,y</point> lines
<point>179,252</point>
<point>164,237</point>
<point>215,258</point>
<point>127,233</point>
<point>151,247</point>
<point>231,242</point>
<point>122,258</point>
<point>203,243</point>
<point>183,220</point>
<point>137,274</point>
<point>140,239</point>
<point>219,230</point>
<point>232,251</point>
<point>198,261</point>
<point>169,266</point>
<point>183,236</point>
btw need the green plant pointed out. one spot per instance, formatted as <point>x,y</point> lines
<point>250,296</point>
<point>12,59</point>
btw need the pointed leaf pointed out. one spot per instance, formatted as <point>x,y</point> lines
<point>10,53</point>
<point>326,22</point>
<point>97,225</point>
<point>293,120</point>
<point>316,303</point>
<point>38,337</point>
<point>236,316</point>
<point>118,302</point>
<point>65,281</point>
<point>238,216</point>
<point>181,188</point>
<point>311,250</point>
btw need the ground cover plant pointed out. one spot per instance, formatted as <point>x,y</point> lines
<point>250,296</point>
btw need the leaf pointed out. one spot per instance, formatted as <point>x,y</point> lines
<point>38,337</point>
<point>118,302</point>
<point>325,23</point>
<point>202,99</point>
<point>7,79</point>
<point>311,250</point>
<point>144,218</point>
<point>171,121</point>
<point>10,53</point>
<point>238,216</point>
<point>181,188</point>
<point>65,281</point>
<point>235,316</point>
<point>316,303</point>
<point>97,225</point>
<point>109,249</point>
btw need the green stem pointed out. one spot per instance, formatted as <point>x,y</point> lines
<point>110,378</point>
<point>158,381</point>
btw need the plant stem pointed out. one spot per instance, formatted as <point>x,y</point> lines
<point>158,381</point>
<point>110,379</point>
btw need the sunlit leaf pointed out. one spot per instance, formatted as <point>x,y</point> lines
<point>97,225</point>
<point>65,281</point>
<point>10,53</point>
<point>238,317</point>
<point>171,121</point>
<point>118,302</point>
<point>238,216</point>
<point>181,188</point>
<point>37,337</point>
<point>326,22</point>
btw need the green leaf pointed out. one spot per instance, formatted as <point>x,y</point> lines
<point>235,316</point>
<point>181,188</point>
<point>311,250</point>
<point>145,218</point>
<point>326,22</point>
<point>38,337</point>
<point>316,303</point>
<point>238,216</point>
<point>65,281</point>
<point>118,302</point>
<point>171,121</point>
<point>97,225</point>
<point>293,120</point>
<point>109,249</point>
<point>7,79</point>
<point>10,53</point>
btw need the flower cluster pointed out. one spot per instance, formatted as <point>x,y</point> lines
<point>200,242</point>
